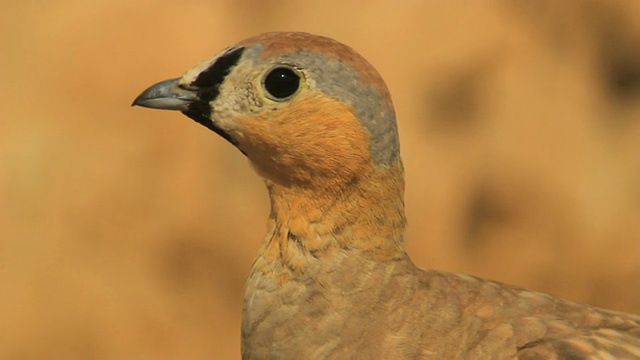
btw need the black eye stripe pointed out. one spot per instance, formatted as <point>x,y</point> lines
<point>211,78</point>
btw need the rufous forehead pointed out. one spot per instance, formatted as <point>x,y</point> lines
<point>276,43</point>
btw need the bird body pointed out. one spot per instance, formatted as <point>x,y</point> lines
<point>332,279</point>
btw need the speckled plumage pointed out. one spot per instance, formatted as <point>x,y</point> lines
<point>332,279</point>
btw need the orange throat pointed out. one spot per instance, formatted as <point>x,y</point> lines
<point>365,215</point>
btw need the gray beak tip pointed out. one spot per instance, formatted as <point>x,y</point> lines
<point>165,95</point>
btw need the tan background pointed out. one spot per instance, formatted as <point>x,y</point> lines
<point>127,233</point>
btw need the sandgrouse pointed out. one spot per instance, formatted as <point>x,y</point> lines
<point>332,279</point>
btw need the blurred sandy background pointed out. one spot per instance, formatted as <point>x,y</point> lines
<point>127,233</point>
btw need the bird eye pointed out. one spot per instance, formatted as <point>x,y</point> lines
<point>281,82</point>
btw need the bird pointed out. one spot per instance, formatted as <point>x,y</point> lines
<point>332,279</point>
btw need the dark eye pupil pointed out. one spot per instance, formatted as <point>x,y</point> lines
<point>281,83</point>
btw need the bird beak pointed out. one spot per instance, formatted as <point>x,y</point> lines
<point>169,95</point>
<point>166,95</point>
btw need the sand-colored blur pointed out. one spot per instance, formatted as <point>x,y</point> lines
<point>127,233</point>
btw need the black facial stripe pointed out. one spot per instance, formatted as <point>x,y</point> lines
<point>208,81</point>
<point>208,84</point>
<point>203,120</point>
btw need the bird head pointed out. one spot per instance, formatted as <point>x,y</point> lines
<point>305,109</point>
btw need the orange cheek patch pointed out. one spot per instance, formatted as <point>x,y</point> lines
<point>310,136</point>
